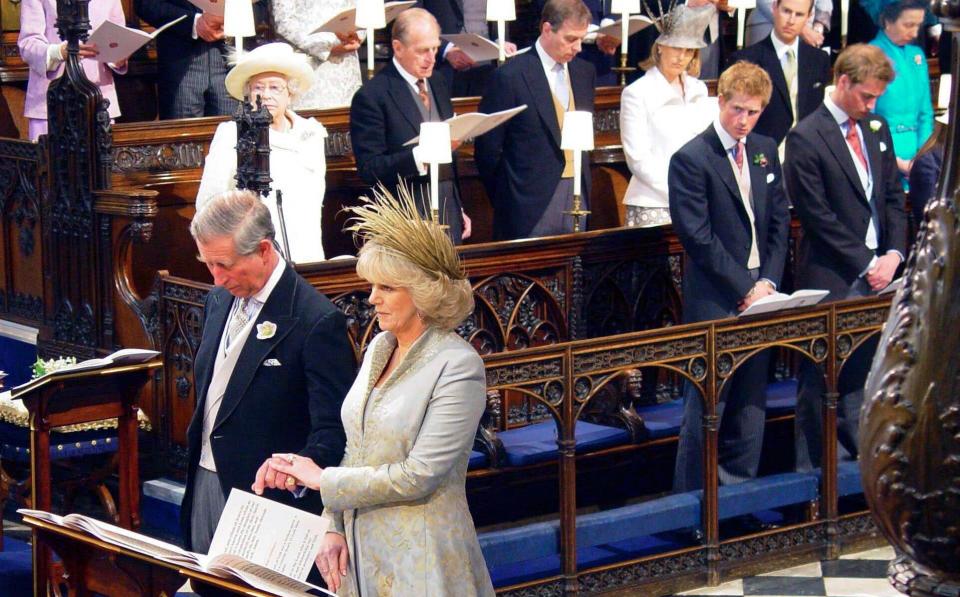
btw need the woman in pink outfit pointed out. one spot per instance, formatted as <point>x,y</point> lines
<point>45,53</point>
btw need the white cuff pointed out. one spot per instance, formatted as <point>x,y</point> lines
<point>193,32</point>
<point>53,56</point>
<point>421,165</point>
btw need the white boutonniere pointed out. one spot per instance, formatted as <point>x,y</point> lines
<point>266,330</point>
<point>875,125</point>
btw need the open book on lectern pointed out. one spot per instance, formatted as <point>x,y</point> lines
<point>779,301</point>
<point>268,545</point>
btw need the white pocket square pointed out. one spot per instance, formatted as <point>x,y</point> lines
<point>883,146</point>
<point>770,177</point>
<point>271,363</point>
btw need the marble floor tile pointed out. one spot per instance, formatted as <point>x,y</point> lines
<point>802,570</point>
<point>881,553</point>
<point>855,568</point>
<point>794,586</point>
<point>860,587</point>
<point>734,587</point>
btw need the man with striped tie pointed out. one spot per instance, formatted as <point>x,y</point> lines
<point>841,176</point>
<point>273,365</point>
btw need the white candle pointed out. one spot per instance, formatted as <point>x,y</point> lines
<point>434,186</point>
<point>501,38</point>
<point>577,136</point>
<point>577,166</point>
<point>238,22</point>
<point>844,18</point>
<point>624,33</point>
<point>943,93</point>
<point>370,48</point>
<point>741,25</point>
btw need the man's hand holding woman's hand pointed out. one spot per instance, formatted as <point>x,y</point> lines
<point>287,471</point>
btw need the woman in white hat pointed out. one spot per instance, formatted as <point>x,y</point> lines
<point>662,110</point>
<point>276,74</point>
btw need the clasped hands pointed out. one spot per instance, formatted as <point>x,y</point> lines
<point>287,471</point>
<point>882,272</point>
<point>761,289</point>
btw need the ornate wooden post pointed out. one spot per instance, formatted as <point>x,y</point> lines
<point>79,157</point>
<point>910,426</point>
<point>253,147</point>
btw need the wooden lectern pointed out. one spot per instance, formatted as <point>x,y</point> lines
<point>73,399</point>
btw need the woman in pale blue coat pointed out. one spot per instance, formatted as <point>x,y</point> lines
<point>906,104</point>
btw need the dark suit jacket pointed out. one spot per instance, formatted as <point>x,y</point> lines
<point>383,116</point>
<point>294,407</point>
<point>521,161</point>
<point>449,14</point>
<point>714,229</point>
<point>176,48</point>
<point>813,76</point>
<point>822,184</point>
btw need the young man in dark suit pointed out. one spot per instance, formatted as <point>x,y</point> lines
<point>841,175</point>
<point>387,111</point>
<point>528,178</point>
<point>799,71</point>
<point>272,369</point>
<point>191,60</point>
<point>729,211</point>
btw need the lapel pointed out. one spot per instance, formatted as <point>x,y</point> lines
<point>832,137</point>
<point>872,142</point>
<point>772,65</point>
<point>758,182</point>
<point>721,165</point>
<point>279,310</point>
<point>582,93</point>
<point>540,91</point>
<point>216,320</point>
<point>402,96</point>
<point>441,95</point>
<point>805,77</point>
<point>458,5</point>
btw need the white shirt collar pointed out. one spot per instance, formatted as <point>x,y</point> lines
<point>836,111</point>
<point>726,140</point>
<point>262,296</point>
<point>408,77</point>
<point>548,62</point>
<point>781,48</point>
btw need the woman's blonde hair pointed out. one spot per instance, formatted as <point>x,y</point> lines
<point>441,301</point>
<point>653,60</point>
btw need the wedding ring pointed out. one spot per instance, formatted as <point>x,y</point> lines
<point>291,481</point>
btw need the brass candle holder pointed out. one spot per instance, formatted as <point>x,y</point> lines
<point>577,212</point>
<point>623,69</point>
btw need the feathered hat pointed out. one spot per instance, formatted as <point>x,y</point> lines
<point>681,26</point>
<point>394,223</point>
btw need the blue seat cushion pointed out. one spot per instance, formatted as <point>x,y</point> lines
<point>668,513</point>
<point>477,460</point>
<point>662,420</point>
<point>848,478</point>
<point>781,397</point>
<point>16,568</point>
<point>538,442</point>
<point>524,543</point>
<point>15,443</point>
<point>765,493</point>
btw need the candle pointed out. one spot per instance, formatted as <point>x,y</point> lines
<point>741,7</point>
<point>577,135</point>
<point>624,8</point>
<point>501,11</point>
<point>943,92</point>
<point>844,19</point>
<point>434,149</point>
<point>370,16</point>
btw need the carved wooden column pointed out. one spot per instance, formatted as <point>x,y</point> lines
<point>79,158</point>
<point>910,426</point>
<point>253,147</point>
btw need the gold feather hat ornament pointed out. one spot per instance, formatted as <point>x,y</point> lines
<point>393,222</point>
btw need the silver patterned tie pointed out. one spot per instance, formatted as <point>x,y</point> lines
<point>240,318</point>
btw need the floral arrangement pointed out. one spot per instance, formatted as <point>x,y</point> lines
<point>42,367</point>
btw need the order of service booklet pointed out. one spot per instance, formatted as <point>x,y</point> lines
<point>116,42</point>
<point>779,301</point>
<point>268,545</point>
<point>467,126</point>
<point>346,21</point>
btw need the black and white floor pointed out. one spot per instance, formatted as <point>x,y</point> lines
<point>855,575</point>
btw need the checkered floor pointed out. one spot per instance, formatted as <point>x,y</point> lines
<point>855,575</point>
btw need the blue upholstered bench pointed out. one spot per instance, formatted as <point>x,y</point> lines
<point>848,478</point>
<point>766,493</point>
<point>662,420</point>
<point>538,442</point>
<point>15,442</point>
<point>533,551</point>
<point>781,397</point>
<point>16,568</point>
<point>477,460</point>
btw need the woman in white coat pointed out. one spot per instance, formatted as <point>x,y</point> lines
<point>276,74</point>
<point>661,111</point>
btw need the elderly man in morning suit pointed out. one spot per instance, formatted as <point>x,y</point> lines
<point>387,111</point>
<point>273,365</point>
<point>729,211</point>
<point>841,175</point>
<point>528,178</point>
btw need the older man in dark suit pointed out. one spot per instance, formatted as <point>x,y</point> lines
<point>528,178</point>
<point>273,365</point>
<point>729,211</point>
<point>388,110</point>
<point>841,175</point>
<point>799,71</point>
<point>191,60</point>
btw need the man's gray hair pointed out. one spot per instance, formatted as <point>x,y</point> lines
<point>239,214</point>
<point>404,22</point>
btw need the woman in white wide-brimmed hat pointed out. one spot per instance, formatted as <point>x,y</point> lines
<point>276,74</point>
<point>662,110</point>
